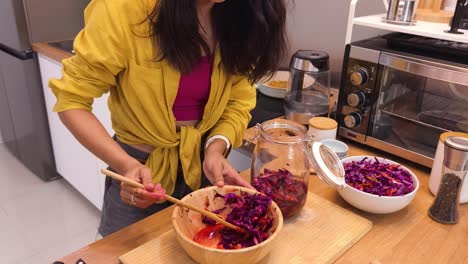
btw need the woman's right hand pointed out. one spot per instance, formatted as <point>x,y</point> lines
<point>139,197</point>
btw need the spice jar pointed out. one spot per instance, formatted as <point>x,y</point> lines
<point>437,165</point>
<point>445,206</point>
<point>280,164</point>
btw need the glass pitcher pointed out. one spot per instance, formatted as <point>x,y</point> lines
<point>280,164</point>
<point>308,87</point>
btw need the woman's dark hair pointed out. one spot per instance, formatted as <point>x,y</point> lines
<point>250,33</point>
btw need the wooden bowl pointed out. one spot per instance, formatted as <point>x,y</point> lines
<point>187,223</point>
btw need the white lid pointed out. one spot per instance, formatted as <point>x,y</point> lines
<point>327,165</point>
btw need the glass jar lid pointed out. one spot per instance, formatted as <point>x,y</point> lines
<point>327,165</point>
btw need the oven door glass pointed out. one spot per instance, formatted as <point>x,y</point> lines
<point>417,102</point>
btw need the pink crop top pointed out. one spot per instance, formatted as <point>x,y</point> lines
<point>193,93</point>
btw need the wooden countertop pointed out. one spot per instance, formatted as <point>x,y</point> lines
<point>50,51</point>
<point>407,236</point>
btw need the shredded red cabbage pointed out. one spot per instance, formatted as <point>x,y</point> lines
<point>375,177</point>
<point>250,212</point>
<point>210,221</point>
<point>286,190</point>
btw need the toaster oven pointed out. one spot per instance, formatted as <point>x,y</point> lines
<point>400,101</point>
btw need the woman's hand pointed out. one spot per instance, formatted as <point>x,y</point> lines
<point>139,197</point>
<point>218,170</point>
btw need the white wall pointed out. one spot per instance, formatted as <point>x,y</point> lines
<point>321,25</point>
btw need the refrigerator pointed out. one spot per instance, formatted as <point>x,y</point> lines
<point>24,126</point>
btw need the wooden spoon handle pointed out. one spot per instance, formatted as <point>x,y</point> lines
<point>208,214</point>
<point>121,178</point>
<point>174,200</point>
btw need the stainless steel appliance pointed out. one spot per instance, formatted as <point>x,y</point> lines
<point>401,12</point>
<point>23,120</point>
<point>400,101</point>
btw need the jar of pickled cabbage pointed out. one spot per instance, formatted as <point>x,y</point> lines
<point>280,164</point>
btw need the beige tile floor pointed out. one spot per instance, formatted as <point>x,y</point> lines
<point>40,221</point>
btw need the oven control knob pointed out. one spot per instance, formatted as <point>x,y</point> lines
<point>359,77</point>
<point>352,120</point>
<point>356,99</point>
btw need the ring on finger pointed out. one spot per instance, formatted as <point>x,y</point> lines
<point>132,199</point>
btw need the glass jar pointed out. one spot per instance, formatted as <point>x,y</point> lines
<point>280,164</point>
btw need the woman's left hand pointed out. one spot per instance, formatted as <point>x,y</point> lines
<point>218,170</point>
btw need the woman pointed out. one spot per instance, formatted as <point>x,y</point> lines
<point>180,76</point>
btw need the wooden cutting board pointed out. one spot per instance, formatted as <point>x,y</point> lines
<point>321,233</point>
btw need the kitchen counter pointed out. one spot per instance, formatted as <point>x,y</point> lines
<point>407,236</point>
<point>53,52</point>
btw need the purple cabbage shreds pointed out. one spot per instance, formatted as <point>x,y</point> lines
<point>220,210</point>
<point>288,191</point>
<point>378,178</point>
<point>250,212</point>
<point>208,221</point>
<point>232,198</point>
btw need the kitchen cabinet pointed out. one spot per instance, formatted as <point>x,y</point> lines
<point>74,162</point>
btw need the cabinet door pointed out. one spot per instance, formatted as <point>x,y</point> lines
<point>74,162</point>
<point>101,111</point>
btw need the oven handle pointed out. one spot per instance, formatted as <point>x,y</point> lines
<point>434,70</point>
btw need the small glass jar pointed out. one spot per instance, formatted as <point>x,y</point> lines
<point>280,164</point>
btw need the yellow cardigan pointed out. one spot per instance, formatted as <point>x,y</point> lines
<point>114,53</point>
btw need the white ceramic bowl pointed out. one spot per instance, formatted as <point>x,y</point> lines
<point>277,92</point>
<point>373,203</point>
<point>187,223</point>
<point>339,147</point>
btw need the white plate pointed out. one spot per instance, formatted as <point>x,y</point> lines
<point>280,92</point>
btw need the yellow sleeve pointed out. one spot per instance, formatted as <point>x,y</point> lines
<point>236,115</point>
<point>99,50</point>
